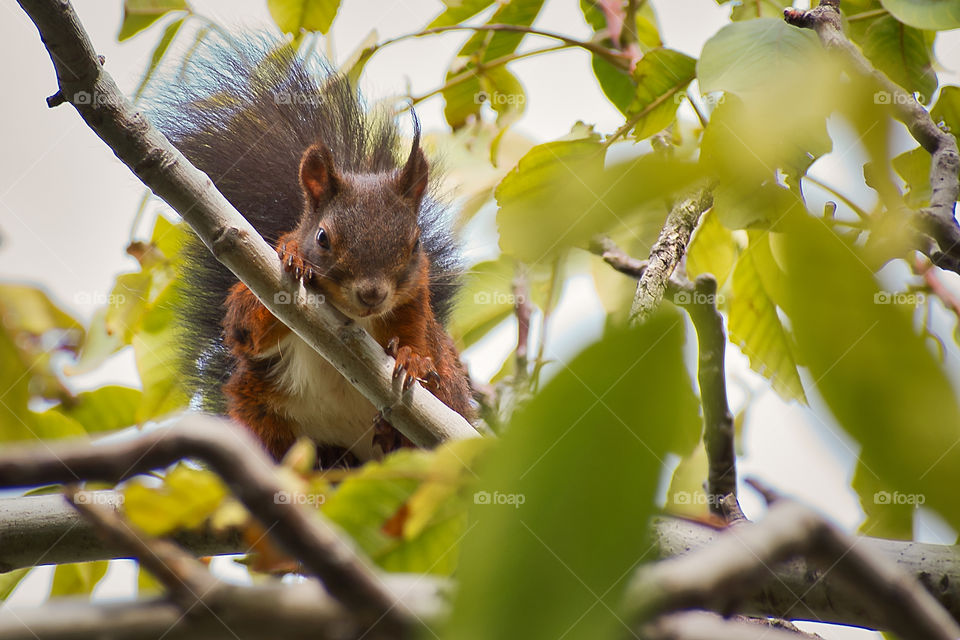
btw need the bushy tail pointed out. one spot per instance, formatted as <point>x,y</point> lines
<point>243,113</point>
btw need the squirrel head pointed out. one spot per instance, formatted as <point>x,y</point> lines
<point>359,231</point>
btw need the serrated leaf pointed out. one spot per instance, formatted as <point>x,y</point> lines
<point>295,16</point>
<point>875,373</point>
<point>540,517</point>
<point>937,15</point>
<point>903,54</point>
<point>140,14</point>
<point>660,76</point>
<point>756,328</point>
<point>712,249</point>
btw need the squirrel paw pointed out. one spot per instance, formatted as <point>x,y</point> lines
<point>412,366</point>
<point>387,437</point>
<point>288,251</point>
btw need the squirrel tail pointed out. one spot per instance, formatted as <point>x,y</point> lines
<point>243,112</point>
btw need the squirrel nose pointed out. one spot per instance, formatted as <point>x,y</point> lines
<point>370,294</point>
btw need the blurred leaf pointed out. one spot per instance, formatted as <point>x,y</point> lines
<point>105,409</point>
<point>30,309</point>
<point>78,578</point>
<point>749,57</point>
<point>147,585</point>
<point>712,250</point>
<point>168,237</point>
<point>885,518</point>
<point>914,167</point>
<point>559,195</point>
<point>157,351</point>
<point>158,52</point>
<point>486,300</point>
<point>15,383</point>
<point>457,11</point>
<point>52,424</point>
<point>752,9</point>
<point>686,497</point>
<point>660,76</point>
<point>356,62</point>
<point>10,580</point>
<point>761,206</point>
<point>947,109</point>
<point>872,369</point>
<point>98,345</point>
<point>755,326</point>
<point>295,16</point>
<point>617,84</point>
<point>127,303</point>
<point>903,54</point>
<point>612,418</point>
<point>140,14</point>
<point>185,500</point>
<point>937,15</point>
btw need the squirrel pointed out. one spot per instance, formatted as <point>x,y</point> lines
<point>293,147</point>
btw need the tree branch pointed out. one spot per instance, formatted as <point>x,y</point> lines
<point>667,252</point>
<point>937,220</point>
<point>419,414</point>
<point>233,453</point>
<point>723,575</point>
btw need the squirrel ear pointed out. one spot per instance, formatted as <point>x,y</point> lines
<point>318,175</point>
<point>412,181</point>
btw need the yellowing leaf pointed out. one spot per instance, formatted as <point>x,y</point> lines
<point>712,250</point>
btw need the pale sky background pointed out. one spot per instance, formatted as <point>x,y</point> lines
<point>66,205</point>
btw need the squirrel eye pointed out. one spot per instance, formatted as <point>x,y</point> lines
<point>322,239</point>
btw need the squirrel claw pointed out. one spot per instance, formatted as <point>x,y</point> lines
<point>411,366</point>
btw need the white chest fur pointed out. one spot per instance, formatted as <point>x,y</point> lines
<point>321,403</point>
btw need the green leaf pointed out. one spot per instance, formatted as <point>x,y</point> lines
<point>887,515</point>
<point>559,195</point>
<point>947,109</point>
<point>77,578</point>
<point>158,52</point>
<point>748,57</point>
<point>606,416</point>
<point>355,63</point>
<point>712,249</point>
<point>753,9</point>
<point>487,299</point>
<point>754,324</point>
<point>903,54</point>
<point>458,11</point>
<point>98,345</point>
<point>105,409</point>
<point>10,580</point>
<point>294,16</point>
<point>140,14</point>
<point>686,496</point>
<point>617,84</point>
<point>875,373</point>
<point>936,15</point>
<point>186,499</point>
<point>660,76</point>
<point>157,351</point>
<point>914,167</point>
<point>52,424</point>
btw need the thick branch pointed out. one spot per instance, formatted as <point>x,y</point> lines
<point>721,576</point>
<point>700,625</point>
<point>667,253</point>
<point>938,218</point>
<point>232,452</point>
<point>420,415</point>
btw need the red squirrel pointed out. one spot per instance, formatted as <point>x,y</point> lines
<point>293,148</point>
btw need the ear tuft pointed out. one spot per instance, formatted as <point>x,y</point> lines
<point>318,176</point>
<point>412,180</point>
